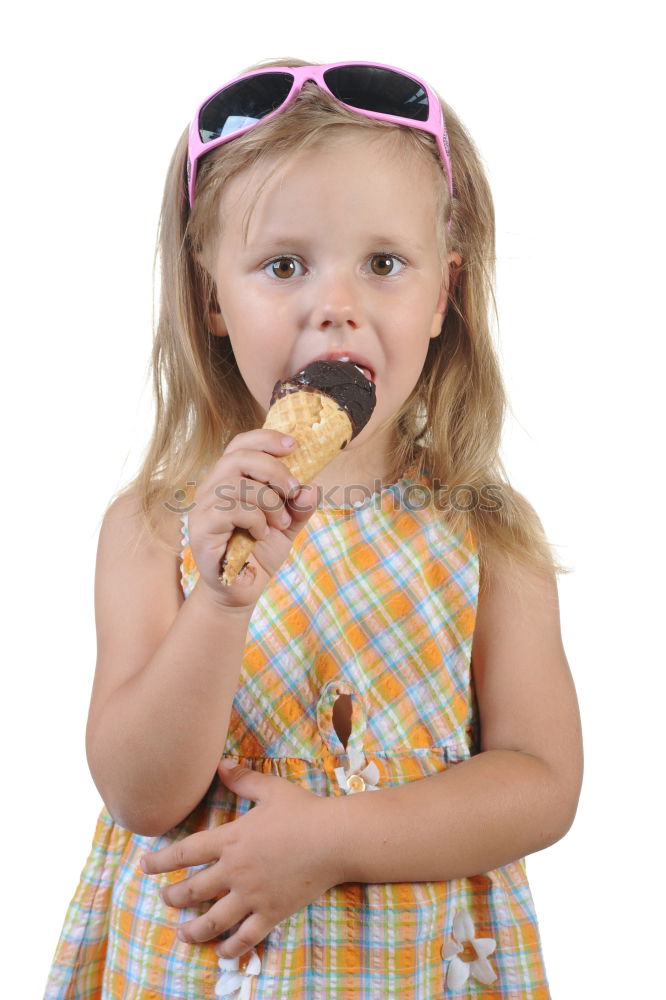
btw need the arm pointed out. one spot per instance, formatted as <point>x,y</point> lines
<point>167,671</point>
<point>520,793</point>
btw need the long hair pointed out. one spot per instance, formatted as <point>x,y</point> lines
<point>448,430</point>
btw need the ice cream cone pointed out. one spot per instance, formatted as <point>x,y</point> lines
<point>321,428</point>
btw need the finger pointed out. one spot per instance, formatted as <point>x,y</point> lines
<point>249,934</point>
<point>262,439</point>
<point>250,505</point>
<point>270,498</point>
<point>226,913</point>
<point>258,466</point>
<point>198,888</point>
<point>259,491</point>
<point>301,507</point>
<point>245,782</point>
<point>198,849</point>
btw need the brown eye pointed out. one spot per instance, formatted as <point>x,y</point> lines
<point>283,267</point>
<point>382,264</point>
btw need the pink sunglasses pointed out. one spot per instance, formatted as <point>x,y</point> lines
<point>371,89</point>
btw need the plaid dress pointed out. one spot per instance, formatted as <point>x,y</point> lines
<point>377,602</point>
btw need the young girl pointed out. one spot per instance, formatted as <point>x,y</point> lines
<point>322,780</point>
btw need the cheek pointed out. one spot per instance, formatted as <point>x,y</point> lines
<point>411,325</point>
<point>257,358</point>
<point>256,315</point>
<point>247,328</point>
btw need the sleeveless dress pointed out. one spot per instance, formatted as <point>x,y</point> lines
<point>377,602</point>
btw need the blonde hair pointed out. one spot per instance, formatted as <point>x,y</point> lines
<point>448,430</point>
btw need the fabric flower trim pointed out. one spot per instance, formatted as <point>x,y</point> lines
<point>357,778</point>
<point>236,979</point>
<point>467,955</point>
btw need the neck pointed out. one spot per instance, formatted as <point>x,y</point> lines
<point>343,490</point>
<point>356,473</point>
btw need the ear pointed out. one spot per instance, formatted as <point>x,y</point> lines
<point>215,318</point>
<point>455,263</point>
<point>217,325</point>
<point>448,286</point>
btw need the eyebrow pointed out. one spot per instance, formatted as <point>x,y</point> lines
<point>378,240</point>
<point>381,240</point>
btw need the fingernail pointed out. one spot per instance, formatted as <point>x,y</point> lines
<point>228,764</point>
<point>142,862</point>
<point>288,441</point>
<point>293,484</point>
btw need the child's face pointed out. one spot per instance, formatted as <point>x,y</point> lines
<point>341,255</point>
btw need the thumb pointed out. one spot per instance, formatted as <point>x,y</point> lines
<point>301,508</point>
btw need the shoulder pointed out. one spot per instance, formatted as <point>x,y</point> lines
<point>525,691</point>
<point>133,526</point>
<point>145,544</point>
<point>137,593</point>
<point>518,601</point>
<point>516,595</point>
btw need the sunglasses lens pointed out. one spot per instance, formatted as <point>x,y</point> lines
<point>242,104</point>
<point>371,88</point>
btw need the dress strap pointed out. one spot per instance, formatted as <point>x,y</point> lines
<point>189,574</point>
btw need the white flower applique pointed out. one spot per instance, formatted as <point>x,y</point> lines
<point>467,955</point>
<point>357,778</point>
<point>235,981</point>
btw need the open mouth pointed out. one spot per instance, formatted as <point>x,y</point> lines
<point>363,370</point>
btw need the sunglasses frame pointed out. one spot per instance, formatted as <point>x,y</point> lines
<point>434,124</point>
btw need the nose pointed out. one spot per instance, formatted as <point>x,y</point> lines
<point>336,306</point>
<point>332,317</point>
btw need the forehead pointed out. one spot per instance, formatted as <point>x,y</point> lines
<point>359,177</point>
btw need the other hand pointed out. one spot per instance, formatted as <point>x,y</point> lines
<point>265,865</point>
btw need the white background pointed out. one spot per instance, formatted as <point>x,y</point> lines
<point>565,103</point>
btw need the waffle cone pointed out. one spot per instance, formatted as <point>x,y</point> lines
<point>321,429</point>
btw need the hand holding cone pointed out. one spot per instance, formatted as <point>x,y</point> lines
<point>323,407</point>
